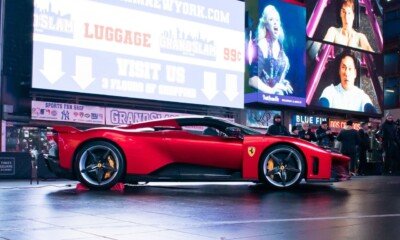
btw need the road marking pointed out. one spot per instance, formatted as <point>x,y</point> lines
<point>302,219</point>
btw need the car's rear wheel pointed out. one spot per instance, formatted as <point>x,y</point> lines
<point>282,166</point>
<point>99,165</point>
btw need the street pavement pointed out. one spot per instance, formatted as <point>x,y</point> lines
<point>366,207</point>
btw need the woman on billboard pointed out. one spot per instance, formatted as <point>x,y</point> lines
<point>269,68</point>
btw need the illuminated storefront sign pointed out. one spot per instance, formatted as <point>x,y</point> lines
<point>313,120</point>
<point>118,116</point>
<point>66,112</point>
<point>338,124</point>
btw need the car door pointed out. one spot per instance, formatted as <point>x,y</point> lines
<point>189,147</point>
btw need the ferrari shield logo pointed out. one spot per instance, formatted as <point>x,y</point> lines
<point>251,151</point>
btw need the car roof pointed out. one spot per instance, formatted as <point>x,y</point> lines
<point>173,122</point>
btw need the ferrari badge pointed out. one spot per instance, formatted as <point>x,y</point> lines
<point>251,151</point>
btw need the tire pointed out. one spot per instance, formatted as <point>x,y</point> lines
<point>99,165</point>
<point>282,167</point>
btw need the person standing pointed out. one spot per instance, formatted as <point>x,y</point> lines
<point>350,141</point>
<point>324,135</point>
<point>277,128</point>
<point>306,133</point>
<point>363,134</point>
<point>388,132</point>
<point>295,131</point>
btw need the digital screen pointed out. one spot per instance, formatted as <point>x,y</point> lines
<point>181,51</point>
<point>352,23</point>
<point>258,118</point>
<point>344,79</point>
<point>275,53</point>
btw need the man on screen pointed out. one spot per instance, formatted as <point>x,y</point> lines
<point>346,35</point>
<point>346,95</point>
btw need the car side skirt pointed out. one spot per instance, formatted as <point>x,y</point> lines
<point>188,172</point>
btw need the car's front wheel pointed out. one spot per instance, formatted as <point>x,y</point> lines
<point>282,166</point>
<point>99,165</point>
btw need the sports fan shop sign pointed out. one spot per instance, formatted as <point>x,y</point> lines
<point>66,112</point>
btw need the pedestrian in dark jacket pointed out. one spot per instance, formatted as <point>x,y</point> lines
<point>350,141</point>
<point>277,128</point>
<point>306,133</point>
<point>364,147</point>
<point>388,132</point>
<point>324,135</point>
<point>295,131</point>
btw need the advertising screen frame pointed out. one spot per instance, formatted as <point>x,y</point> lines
<point>285,86</point>
<point>102,56</point>
<point>325,23</point>
<point>323,71</point>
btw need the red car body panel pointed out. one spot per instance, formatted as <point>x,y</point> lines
<point>147,151</point>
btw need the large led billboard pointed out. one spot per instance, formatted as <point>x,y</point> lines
<point>351,23</point>
<point>344,79</point>
<point>275,53</point>
<point>344,64</point>
<point>181,51</point>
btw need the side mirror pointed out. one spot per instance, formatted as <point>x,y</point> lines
<point>234,132</point>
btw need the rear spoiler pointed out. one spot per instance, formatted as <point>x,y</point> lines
<point>65,129</point>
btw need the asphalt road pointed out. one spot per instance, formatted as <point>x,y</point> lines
<point>363,208</point>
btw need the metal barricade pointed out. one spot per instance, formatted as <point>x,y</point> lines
<point>34,165</point>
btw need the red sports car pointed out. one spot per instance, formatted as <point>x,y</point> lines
<point>188,149</point>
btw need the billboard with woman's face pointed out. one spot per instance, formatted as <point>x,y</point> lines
<point>275,53</point>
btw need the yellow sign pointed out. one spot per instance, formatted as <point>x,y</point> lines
<point>251,151</point>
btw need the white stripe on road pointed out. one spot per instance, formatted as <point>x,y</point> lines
<point>302,219</point>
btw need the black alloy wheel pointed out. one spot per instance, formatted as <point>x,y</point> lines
<point>282,166</point>
<point>99,165</point>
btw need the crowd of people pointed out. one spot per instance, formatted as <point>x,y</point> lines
<point>380,145</point>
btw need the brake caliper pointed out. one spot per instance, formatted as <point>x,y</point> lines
<point>111,163</point>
